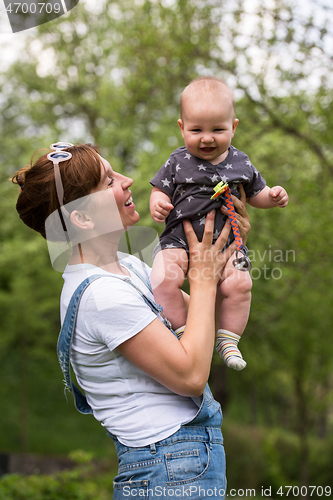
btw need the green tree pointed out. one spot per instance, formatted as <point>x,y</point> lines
<point>112,74</point>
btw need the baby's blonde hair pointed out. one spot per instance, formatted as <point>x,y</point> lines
<point>207,84</point>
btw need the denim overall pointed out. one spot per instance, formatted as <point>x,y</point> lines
<point>189,463</point>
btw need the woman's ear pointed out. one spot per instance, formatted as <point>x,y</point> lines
<point>82,220</point>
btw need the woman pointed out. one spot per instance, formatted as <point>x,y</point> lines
<point>147,387</point>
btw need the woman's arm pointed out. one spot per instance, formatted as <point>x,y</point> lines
<point>183,366</point>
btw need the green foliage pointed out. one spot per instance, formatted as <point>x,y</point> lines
<point>271,458</point>
<point>112,74</point>
<point>80,483</point>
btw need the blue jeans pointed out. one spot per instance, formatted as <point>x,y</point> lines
<point>188,464</point>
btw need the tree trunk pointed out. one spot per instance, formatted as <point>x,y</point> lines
<point>302,429</point>
<point>24,398</point>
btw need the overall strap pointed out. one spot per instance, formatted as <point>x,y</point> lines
<point>152,304</point>
<point>144,278</point>
<point>65,338</point>
<point>65,343</point>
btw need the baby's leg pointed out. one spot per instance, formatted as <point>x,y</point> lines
<point>167,277</point>
<point>236,290</point>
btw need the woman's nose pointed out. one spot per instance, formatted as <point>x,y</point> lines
<point>126,181</point>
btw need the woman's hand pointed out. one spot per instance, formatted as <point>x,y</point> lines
<point>207,260</point>
<point>243,218</point>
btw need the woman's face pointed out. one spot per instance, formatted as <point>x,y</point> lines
<point>115,187</point>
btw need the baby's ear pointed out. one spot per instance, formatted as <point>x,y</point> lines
<point>181,126</point>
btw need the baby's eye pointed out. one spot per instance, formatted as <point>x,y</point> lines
<point>196,130</point>
<point>110,182</point>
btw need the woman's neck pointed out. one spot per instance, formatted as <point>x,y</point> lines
<point>100,253</point>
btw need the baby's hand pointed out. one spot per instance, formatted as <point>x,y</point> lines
<point>161,210</point>
<point>279,196</point>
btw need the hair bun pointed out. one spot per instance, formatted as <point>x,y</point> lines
<point>19,177</point>
<point>20,181</point>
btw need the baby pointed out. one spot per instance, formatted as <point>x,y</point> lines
<point>182,189</point>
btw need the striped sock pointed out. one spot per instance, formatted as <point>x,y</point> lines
<point>179,332</point>
<point>226,346</point>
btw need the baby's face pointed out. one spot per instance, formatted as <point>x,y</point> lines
<point>208,127</point>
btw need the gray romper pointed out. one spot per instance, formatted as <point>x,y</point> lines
<point>189,182</point>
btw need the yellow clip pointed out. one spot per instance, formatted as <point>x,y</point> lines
<point>219,189</point>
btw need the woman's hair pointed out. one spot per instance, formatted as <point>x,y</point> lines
<point>38,196</point>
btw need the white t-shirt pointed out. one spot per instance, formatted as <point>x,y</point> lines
<point>128,403</point>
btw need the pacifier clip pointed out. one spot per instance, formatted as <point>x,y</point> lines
<point>242,261</point>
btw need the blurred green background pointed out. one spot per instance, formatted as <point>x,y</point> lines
<point>111,72</point>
